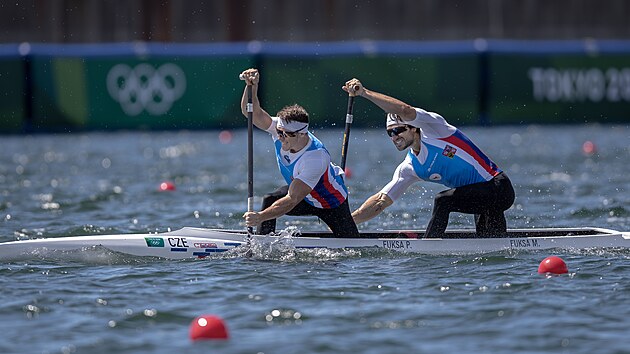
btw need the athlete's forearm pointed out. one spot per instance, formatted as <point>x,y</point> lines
<point>390,104</point>
<point>298,190</point>
<point>372,207</point>
<point>261,117</point>
<point>278,208</point>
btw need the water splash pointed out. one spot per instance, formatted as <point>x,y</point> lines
<point>281,248</point>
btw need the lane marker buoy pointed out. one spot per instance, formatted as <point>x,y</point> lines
<point>553,265</point>
<point>208,327</point>
<point>225,137</point>
<point>589,148</point>
<point>166,186</point>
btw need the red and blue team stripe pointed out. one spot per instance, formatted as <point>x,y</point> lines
<point>461,141</point>
<point>326,194</point>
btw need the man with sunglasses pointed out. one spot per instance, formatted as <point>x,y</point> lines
<point>438,152</point>
<point>314,184</point>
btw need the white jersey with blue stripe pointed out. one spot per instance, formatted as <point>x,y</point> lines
<point>312,165</point>
<point>446,156</point>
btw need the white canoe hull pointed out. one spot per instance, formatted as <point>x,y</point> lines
<point>199,243</point>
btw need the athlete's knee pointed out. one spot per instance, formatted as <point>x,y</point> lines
<point>506,197</point>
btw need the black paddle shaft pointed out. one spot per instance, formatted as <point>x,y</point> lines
<point>346,133</point>
<point>250,154</point>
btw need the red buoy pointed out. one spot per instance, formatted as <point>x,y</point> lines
<point>589,148</point>
<point>348,172</point>
<point>208,327</point>
<point>225,137</point>
<point>167,186</point>
<point>553,265</point>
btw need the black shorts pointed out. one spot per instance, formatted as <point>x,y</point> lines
<point>338,219</point>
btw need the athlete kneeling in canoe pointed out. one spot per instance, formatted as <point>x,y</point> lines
<point>440,153</point>
<point>315,184</point>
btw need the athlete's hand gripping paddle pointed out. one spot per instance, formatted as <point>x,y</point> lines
<point>346,133</point>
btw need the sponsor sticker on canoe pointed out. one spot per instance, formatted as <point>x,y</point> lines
<point>205,245</point>
<point>154,241</point>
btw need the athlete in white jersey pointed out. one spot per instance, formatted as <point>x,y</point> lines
<point>315,185</point>
<point>439,153</point>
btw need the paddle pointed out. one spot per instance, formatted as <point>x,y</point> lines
<point>250,158</point>
<point>250,154</point>
<point>346,133</point>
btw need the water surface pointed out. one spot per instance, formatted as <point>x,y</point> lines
<point>327,301</point>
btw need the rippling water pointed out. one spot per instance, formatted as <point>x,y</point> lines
<point>297,301</point>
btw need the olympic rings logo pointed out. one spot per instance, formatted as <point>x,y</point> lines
<point>146,88</point>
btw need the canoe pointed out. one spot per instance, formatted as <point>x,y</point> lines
<point>190,242</point>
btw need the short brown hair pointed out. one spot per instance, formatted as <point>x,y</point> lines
<point>294,112</point>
